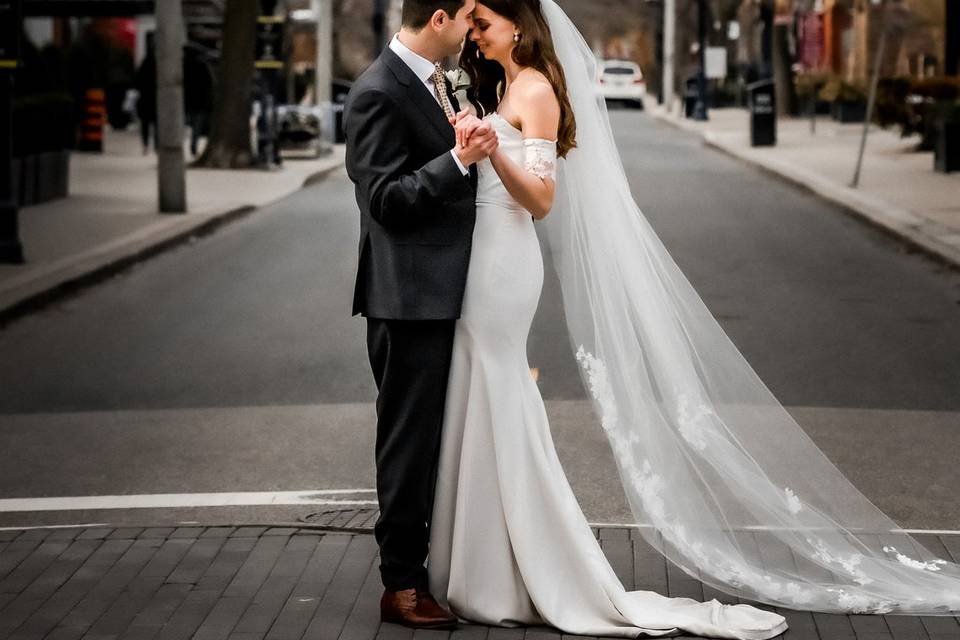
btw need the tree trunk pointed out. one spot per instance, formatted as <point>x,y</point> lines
<point>171,177</point>
<point>229,144</point>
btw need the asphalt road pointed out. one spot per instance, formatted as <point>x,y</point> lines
<point>232,364</point>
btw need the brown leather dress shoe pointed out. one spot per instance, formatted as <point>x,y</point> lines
<point>415,608</point>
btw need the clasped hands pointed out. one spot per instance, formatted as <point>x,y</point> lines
<point>476,139</point>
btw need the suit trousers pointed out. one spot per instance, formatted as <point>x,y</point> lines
<point>410,360</point>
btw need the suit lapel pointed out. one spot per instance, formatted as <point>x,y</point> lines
<point>418,93</point>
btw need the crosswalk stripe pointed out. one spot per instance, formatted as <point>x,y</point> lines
<point>173,500</point>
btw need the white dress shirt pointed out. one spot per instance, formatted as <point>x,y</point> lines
<point>423,69</point>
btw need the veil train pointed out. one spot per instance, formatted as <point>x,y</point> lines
<point>737,494</point>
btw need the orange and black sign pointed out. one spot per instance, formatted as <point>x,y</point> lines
<point>94,119</point>
<point>9,33</point>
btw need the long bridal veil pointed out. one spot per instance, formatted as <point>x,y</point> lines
<point>725,483</point>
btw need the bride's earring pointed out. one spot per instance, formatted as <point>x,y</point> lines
<point>516,37</point>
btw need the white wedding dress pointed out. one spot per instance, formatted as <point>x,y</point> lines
<point>509,544</point>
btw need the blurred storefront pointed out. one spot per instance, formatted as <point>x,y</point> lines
<point>841,36</point>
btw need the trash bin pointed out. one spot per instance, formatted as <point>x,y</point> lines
<point>332,124</point>
<point>339,136</point>
<point>946,149</point>
<point>690,95</point>
<point>763,113</point>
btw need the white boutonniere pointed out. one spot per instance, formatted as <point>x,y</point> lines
<point>460,81</point>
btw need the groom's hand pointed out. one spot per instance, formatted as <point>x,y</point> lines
<point>465,124</point>
<point>480,145</point>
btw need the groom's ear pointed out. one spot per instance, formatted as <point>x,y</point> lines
<point>438,18</point>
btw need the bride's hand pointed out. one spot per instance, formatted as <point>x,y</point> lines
<point>466,125</point>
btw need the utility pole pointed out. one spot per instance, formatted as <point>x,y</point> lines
<point>669,42</point>
<point>171,174</point>
<point>323,14</point>
<point>11,251</point>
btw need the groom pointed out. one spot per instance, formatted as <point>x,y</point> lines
<point>416,190</point>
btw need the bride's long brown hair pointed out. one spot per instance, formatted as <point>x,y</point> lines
<point>535,50</point>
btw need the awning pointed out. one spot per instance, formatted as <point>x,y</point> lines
<point>100,8</point>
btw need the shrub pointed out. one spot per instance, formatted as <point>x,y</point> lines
<point>837,89</point>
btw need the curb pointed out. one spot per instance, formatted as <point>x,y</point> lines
<point>75,273</point>
<point>926,236</point>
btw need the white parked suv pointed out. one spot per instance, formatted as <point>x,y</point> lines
<point>622,80</point>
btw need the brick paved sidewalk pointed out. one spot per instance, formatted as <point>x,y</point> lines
<point>311,581</point>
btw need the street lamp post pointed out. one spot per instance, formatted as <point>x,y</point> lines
<point>11,250</point>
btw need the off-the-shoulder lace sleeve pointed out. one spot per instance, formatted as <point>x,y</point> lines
<point>540,157</point>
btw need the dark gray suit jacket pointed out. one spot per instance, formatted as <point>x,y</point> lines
<point>417,209</point>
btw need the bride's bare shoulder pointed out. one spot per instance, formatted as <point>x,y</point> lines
<point>535,102</point>
<point>531,81</point>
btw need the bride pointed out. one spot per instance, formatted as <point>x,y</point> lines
<point>741,498</point>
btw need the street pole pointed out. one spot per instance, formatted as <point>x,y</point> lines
<point>378,22</point>
<point>669,41</point>
<point>700,107</point>
<point>394,14</point>
<point>951,41</point>
<point>171,169</point>
<point>323,13</point>
<point>766,40</point>
<point>878,59</point>
<point>11,250</point>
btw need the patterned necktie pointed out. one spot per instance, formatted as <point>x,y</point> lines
<point>440,88</point>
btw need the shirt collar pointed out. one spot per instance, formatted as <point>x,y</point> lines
<point>420,66</point>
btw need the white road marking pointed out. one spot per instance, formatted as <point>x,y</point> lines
<point>174,500</point>
<point>58,526</point>
<point>257,498</point>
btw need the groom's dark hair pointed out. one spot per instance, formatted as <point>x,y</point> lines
<point>417,13</point>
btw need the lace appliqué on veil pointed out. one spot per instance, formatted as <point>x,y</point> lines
<point>722,563</point>
<point>540,157</point>
<point>599,386</point>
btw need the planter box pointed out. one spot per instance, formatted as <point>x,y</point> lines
<point>28,180</point>
<point>844,111</point>
<point>15,173</point>
<point>823,108</point>
<point>41,177</point>
<point>946,151</point>
<point>53,169</point>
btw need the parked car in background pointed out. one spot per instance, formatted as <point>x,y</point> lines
<point>622,81</point>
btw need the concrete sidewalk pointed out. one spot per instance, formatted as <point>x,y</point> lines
<point>110,219</point>
<point>285,581</point>
<point>898,191</point>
